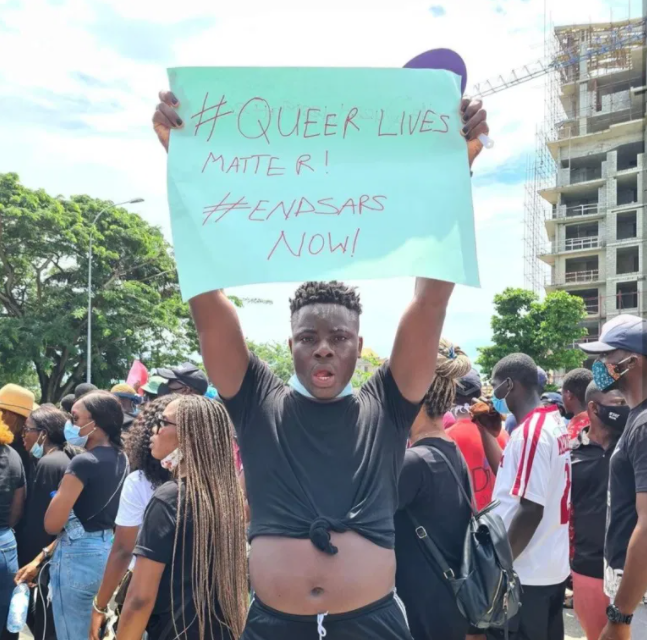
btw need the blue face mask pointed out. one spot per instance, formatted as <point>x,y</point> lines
<point>500,405</point>
<point>295,383</point>
<point>37,450</point>
<point>71,433</point>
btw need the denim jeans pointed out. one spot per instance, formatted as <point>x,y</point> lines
<point>76,572</point>
<point>8,569</point>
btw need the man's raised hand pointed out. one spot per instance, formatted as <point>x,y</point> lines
<point>166,118</point>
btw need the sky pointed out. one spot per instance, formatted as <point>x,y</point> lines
<point>79,82</point>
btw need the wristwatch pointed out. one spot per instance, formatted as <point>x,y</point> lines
<point>46,553</point>
<point>616,616</point>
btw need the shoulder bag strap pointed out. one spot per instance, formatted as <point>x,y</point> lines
<point>116,491</point>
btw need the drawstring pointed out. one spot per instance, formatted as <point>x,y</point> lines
<point>320,628</point>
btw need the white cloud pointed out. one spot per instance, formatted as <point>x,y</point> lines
<point>79,81</point>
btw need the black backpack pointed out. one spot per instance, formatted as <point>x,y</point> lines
<point>487,589</point>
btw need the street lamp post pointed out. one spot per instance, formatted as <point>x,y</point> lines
<point>94,222</point>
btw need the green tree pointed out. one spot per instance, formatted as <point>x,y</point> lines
<point>276,355</point>
<point>137,310</point>
<point>544,330</point>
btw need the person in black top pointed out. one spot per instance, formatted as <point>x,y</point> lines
<point>83,511</point>
<point>591,451</point>
<point>321,464</point>
<point>12,501</point>
<point>190,579</point>
<point>622,364</point>
<point>428,490</point>
<point>43,438</point>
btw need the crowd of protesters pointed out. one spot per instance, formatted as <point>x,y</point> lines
<point>297,511</point>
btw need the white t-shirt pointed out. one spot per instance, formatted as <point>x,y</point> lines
<point>536,465</point>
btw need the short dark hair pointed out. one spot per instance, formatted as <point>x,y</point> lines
<point>592,392</point>
<point>519,368</point>
<point>68,402</point>
<point>52,421</point>
<point>332,292</point>
<point>577,382</point>
<point>83,388</point>
<point>107,414</point>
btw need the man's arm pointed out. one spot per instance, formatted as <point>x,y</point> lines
<point>415,350</point>
<point>523,525</point>
<point>222,343</point>
<point>492,448</point>
<point>633,585</point>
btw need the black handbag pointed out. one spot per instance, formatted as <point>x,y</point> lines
<point>487,589</point>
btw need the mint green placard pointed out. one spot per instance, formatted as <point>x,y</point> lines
<point>293,174</point>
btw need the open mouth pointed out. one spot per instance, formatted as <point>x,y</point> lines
<point>323,378</point>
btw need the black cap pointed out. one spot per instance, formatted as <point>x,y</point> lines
<point>189,375</point>
<point>469,384</point>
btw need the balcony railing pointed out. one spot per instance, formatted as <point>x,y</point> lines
<point>584,175</point>
<point>581,276</point>
<point>578,210</point>
<point>581,244</point>
<point>586,339</point>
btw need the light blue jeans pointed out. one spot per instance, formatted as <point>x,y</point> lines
<point>8,569</point>
<point>76,572</point>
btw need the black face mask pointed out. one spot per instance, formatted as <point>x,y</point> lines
<point>614,417</point>
<point>569,416</point>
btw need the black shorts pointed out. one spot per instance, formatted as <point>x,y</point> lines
<point>381,620</point>
<point>540,616</point>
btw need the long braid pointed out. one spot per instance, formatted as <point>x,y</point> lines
<point>213,499</point>
<point>452,364</point>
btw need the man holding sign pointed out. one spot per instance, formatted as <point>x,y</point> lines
<point>322,464</point>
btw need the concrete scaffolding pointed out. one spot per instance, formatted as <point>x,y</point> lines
<point>586,204</point>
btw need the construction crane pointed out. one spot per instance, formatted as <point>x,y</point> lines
<point>563,60</point>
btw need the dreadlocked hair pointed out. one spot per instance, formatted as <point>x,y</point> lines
<point>138,442</point>
<point>451,365</point>
<point>213,500</point>
<point>332,292</point>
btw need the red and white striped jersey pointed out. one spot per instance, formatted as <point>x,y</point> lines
<point>536,465</point>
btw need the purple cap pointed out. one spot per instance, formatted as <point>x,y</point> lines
<point>441,59</point>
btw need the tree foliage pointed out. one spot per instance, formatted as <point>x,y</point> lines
<point>137,310</point>
<point>544,330</point>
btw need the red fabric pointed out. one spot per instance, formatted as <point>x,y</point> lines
<point>138,376</point>
<point>590,604</point>
<point>466,435</point>
<point>578,423</point>
<point>449,420</point>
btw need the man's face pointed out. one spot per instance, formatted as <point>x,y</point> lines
<point>596,408</point>
<point>325,345</point>
<point>180,388</point>
<point>622,363</point>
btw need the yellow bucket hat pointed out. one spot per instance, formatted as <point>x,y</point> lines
<point>17,399</point>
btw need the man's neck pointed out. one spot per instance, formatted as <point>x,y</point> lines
<point>530,404</point>
<point>599,434</point>
<point>635,392</point>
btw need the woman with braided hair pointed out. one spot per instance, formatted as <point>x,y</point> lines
<point>190,579</point>
<point>428,492</point>
<point>146,476</point>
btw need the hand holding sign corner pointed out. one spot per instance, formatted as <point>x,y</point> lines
<point>292,174</point>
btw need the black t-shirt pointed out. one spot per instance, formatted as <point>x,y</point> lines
<point>156,541</point>
<point>428,488</point>
<point>102,472</point>
<point>627,477</point>
<point>12,477</point>
<point>46,477</point>
<point>312,467</point>
<point>590,469</point>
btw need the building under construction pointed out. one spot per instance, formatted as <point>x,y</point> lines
<point>586,211</point>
